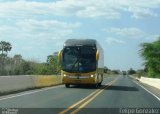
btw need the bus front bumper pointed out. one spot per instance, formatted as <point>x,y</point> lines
<point>78,80</point>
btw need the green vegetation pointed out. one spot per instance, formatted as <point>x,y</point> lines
<point>5,47</point>
<point>131,71</point>
<point>111,72</point>
<point>18,66</point>
<point>151,54</point>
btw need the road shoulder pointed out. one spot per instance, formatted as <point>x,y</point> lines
<point>152,90</point>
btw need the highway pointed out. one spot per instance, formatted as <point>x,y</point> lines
<point>116,92</point>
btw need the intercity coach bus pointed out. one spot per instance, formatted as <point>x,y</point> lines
<point>82,62</point>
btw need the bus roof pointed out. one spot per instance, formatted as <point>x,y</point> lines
<point>80,42</point>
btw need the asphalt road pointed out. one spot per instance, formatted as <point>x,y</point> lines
<point>118,95</point>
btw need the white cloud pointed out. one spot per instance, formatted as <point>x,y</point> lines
<point>42,31</point>
<point>52,28</point>
<point>140,13</point>
<point>37,38</point>
<point>152,37</point>
<point>141,8</point>
<point>113,41</point>
<point>93,12</point>
<point>22,9</point>
<point>108,9</point>
<point>133,33</point>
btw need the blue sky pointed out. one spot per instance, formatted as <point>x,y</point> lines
<point>38,28</point>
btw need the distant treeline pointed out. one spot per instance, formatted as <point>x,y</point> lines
<point>18,66</point>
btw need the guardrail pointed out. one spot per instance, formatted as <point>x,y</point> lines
<point>16,83</point>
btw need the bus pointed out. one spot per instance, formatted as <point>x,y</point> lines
<point>82,62</point>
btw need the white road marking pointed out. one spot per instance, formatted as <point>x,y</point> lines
<point>147,90</point>
<point>30,92</point>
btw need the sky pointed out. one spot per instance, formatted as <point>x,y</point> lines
<point>38,28</point>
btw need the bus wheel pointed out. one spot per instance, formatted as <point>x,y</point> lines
<point>95,85</point>
<point>100,84</point>
<point>67,85</point>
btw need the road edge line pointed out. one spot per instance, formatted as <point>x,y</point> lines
<point>147,90</point>
<point>29,92</point>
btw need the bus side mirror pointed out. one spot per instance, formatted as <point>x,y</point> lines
<point>60,56</point>
<point>97,55</point>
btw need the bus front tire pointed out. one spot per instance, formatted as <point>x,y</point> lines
<point>100,84</point>
<point>67,85</point>
<point>95,85</point>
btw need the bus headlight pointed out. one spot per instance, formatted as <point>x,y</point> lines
<point>92,76</point>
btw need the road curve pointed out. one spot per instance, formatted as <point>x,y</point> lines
<point>117,92</point>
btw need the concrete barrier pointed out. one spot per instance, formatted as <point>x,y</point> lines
<point>155,82</point>
<point>151,81</point>
<point>16,83</point>
<point>44,81</point>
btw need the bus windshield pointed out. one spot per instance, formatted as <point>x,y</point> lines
<point>79,59</point>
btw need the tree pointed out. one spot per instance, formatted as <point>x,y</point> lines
<point>151,54</point>
<point>105,69</point>
<point>17,59</point>
<point>5,47</point>
<point>53,64</point>
<point>141,72</point>
<point>18,66</point>
<point>2,43</point>
<point>131,71</point>
<point>17,62</point>
<point>116,71</point>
